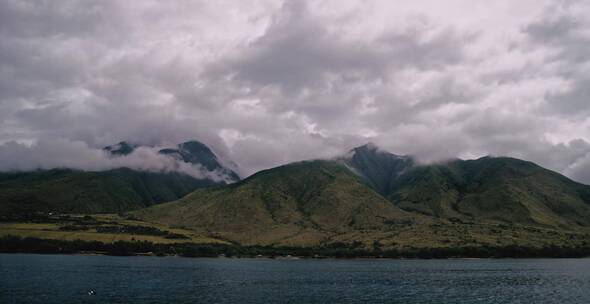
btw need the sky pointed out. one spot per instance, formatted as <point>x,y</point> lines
<point>265,83</point>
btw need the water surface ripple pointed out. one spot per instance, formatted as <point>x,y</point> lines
<point>67,278</point>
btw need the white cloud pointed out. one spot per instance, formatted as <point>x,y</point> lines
<point>61,153</point>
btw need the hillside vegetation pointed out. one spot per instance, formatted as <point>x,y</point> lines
<point>322,203</point>
<point>302,203</point>
<point>497,189</point>
<point>70,191</point>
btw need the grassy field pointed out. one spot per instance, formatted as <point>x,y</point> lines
<point>114,228</point>
<point>117,235</point>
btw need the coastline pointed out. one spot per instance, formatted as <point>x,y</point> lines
<point>15,244</point>
<point>270,258</point>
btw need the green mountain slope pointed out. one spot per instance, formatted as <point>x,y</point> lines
<point>72,191</point>
<point>500,189</point>
<point>303,203</point>
<point>486,189</point>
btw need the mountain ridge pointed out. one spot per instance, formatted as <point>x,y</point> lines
<point>369,198</point>
<point>398,202</point>
<point>115,190</point>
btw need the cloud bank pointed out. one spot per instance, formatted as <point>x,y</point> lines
<point>67,154</point>
<point>269,82</point>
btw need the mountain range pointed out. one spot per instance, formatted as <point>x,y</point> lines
<point>370,197</point>
<point>366,198</point>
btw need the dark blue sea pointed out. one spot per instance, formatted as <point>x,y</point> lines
<point>27,278</point>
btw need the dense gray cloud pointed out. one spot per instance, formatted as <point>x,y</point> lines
<point>297,52</point>
<point>269,82</point>
<point>565,32</point>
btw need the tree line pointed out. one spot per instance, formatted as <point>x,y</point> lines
<point>15,244</point>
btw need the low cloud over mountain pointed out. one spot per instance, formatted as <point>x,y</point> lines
<point>78,155</point>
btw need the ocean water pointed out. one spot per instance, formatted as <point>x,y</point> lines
<point>27,278</point>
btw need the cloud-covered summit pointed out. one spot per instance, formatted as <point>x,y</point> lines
<point>268,82</point>
<point>61,153</point>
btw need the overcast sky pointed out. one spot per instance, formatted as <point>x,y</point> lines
<point>269,82</point>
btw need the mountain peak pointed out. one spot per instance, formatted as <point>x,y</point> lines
<point>121,148</point>
<point>378,167</point>
<point>192,151</point>
<point>372,148</point>
<point>368,146</point>
<point>195,152</point>
<point>194,146</point>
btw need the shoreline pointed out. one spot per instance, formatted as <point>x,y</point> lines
<point>15,244</point>
<point>269,258</point>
